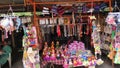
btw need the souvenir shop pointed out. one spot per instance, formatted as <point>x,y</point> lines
<point>69,34</point>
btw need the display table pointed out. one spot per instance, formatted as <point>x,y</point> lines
<point>57,62</point>
<point>74,55</point>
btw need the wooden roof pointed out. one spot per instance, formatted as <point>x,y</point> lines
<point>19,5</point>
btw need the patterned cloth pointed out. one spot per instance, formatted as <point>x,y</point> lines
<point>3,57</point>
<point>57,62</point>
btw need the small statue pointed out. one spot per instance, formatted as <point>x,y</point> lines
<point>57,44</point>
<point>58,54</point>
<point>70,62</point>
<point>53,57</point>
<point>52,45</point>
<point>65,64</point>
<point>46,46</point>
<point>75,62</point>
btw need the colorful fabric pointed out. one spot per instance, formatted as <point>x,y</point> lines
<point>57,62</point>
<point>117,58</point>
<point>6,50</point>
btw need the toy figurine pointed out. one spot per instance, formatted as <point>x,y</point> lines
<point>52,51</point>
<point>53,57</point>
<point>74,62</point>
<point>45,48</point>
<point>70,62</point>
<point>65,64</point>
<point>79,61</point>
<point>57,44</point>
<point>52,45</point>
<point>57,54</point>
<point>47,57</point>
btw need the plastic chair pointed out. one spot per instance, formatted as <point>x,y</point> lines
<point>9,60</point>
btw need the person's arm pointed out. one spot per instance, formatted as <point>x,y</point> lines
<point>1,52</point>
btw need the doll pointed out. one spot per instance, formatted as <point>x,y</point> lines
<point>70,62</point>
<point>57,54</point>
<point>53,57</point>
<point>52,45</point>
<point>75,63</point>
<point>79,61</point>
<point>57,44</point>
<point>65,64</point>
<point>45,48</point>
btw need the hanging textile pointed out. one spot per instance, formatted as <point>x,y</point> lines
<point>58,31</point>
<point>31,51</point>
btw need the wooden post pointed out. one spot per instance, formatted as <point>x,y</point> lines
<point>110,5</point>
<point>112,63</point>
<point>36,24</point>
<point>13,40</point>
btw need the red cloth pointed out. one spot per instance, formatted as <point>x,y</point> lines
<point>58,31</point>
<point>57,62</point>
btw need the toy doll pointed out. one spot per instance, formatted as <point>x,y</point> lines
<point>57,54</point>
<point>53,57</point>
<point>70,62</point>
<point>65,64</point>
<point>57,44</point>
<point>79,61</point>
<point>52,45</point>
<point>75,62</point>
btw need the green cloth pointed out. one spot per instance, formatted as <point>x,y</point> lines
<point>6,50</point>
<point>113,34</point>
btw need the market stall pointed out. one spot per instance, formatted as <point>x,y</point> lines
<point>70,33</point>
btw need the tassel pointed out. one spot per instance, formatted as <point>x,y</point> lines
<point>65,34</point>
<point>80,30</point>
<point>68,28</point>
<point>73,30</point>
<point>87,30</point>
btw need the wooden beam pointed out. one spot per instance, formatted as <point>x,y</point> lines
<point>67,2</point>
<point>110,5</point>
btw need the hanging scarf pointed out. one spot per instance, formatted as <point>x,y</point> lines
<point>65,33</point>
<point>60,10</point>
<point>80,30</point>
<point>58,31</point>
